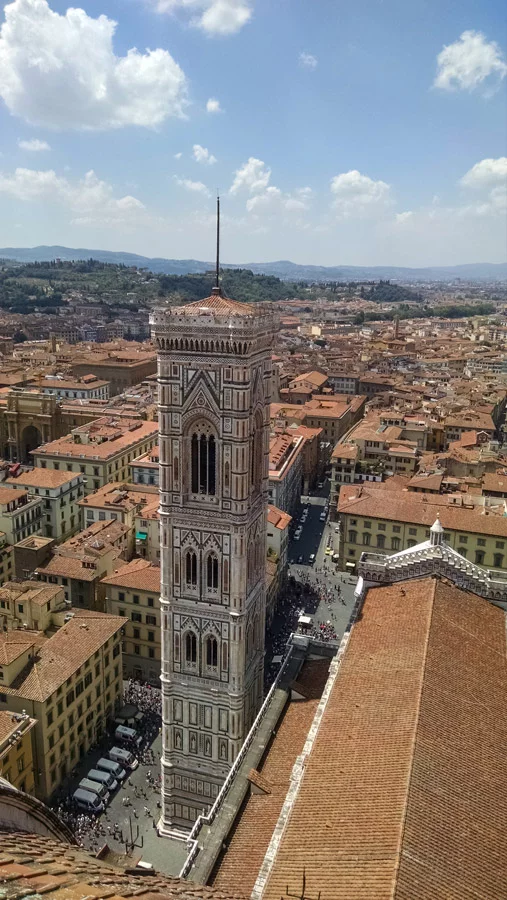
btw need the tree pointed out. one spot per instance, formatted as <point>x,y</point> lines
<point>19,337</point>
<point>359,318</point>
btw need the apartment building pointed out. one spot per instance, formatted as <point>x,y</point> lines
<point>20,514</point>
<point>145,468</point>
<point>89,387</point>
<point>372,516</point>
<point>60,492</point>
<point>7,560</point>
<point>72,701</point>
<point>133,592</point>
<point>285,471</point>
<point>278,535</point>
<point>456,425</point>
<point>119,502</point>
<point>80,563</point>
<point>16,751</point>
<point>29,604</point>
<point>121,368</point>
<point>101,451</point>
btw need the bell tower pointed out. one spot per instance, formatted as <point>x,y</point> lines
<point>214,375</point>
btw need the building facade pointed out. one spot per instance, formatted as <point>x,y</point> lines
<point>214,374</point>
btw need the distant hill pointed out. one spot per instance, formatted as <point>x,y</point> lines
<point>284,269</point>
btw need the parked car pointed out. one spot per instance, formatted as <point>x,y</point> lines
<point>312,559</point>
<point>297,535</point>
<point>323,516</point>
<point>103,778</point>
<point>124,757</point>
<point>114,768</point>
<point>300,559</point>
<point>95,788</point>
<point>87,801</point>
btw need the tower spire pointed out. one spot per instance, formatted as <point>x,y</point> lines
<point>217,270</point>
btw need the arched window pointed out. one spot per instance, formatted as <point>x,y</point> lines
<point>366,539</point>
<point>191,569</point>
<point>498,560</point>
<point>381,540</point>
<point>203,463</point>
<point>211,652</point>
<point>212,572</point>
<point>190,648</point>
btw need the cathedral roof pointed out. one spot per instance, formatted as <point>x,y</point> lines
<point>216,304</point>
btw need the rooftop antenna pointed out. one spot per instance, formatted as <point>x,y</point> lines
<point>217,271</point>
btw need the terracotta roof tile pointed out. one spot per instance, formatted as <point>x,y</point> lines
<point>31,864</point>
<point>238,868</point>
<point>403,796</point>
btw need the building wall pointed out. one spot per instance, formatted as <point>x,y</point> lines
<point>408,535</point>
<point>142,640</point>
<point>68,723</point>
<point>16,759</point>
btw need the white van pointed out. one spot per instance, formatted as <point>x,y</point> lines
<point>87,801</point>
<point>95,788</point>
<point>129,735</point>
<point>103,778</point>
<point>124,757</point>
<point>114,769</point>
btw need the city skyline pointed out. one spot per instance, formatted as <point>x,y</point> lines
<point>333,139</point>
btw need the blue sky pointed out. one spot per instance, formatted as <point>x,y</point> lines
<point>366,133</point>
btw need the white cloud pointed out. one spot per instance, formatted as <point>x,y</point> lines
<point>268,199</point>
<point>299,199</point>
<point>34,145</point>
<point>404,217</point>
<point>308,61</point>
<point>489,178</point>
<point>202,155</point>
<point>468,62</point>
<point>60,71</point>
<point>213,105</point>
<point>252,176</point>
<point>213,16</point>
<point>486,173</point>
<point>178,155</point>
<point>197,187</point>
<point>358,196</point>
<point>90,200</point>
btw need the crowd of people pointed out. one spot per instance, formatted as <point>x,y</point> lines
<point>92,831</point>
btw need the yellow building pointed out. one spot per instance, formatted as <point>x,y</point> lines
<point>372,517</point>
<point>71,683</point>
<point>134,592</point>
<point>101,451</point>
<point>16,751</point>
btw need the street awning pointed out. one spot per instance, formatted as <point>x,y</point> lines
<point>141,535</point>
<point>350,565</point>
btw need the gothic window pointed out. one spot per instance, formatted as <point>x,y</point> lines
<point>203,463</point>
<point>211,652</point>
<point>212,572</point>
<point>190,648</point>
<point>225,575</point>
<point>191,569</point>
<point>227,470</point>
<point>176,470</point>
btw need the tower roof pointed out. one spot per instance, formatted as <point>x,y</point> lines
<point>437,527</point>
<point>216,305</point>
